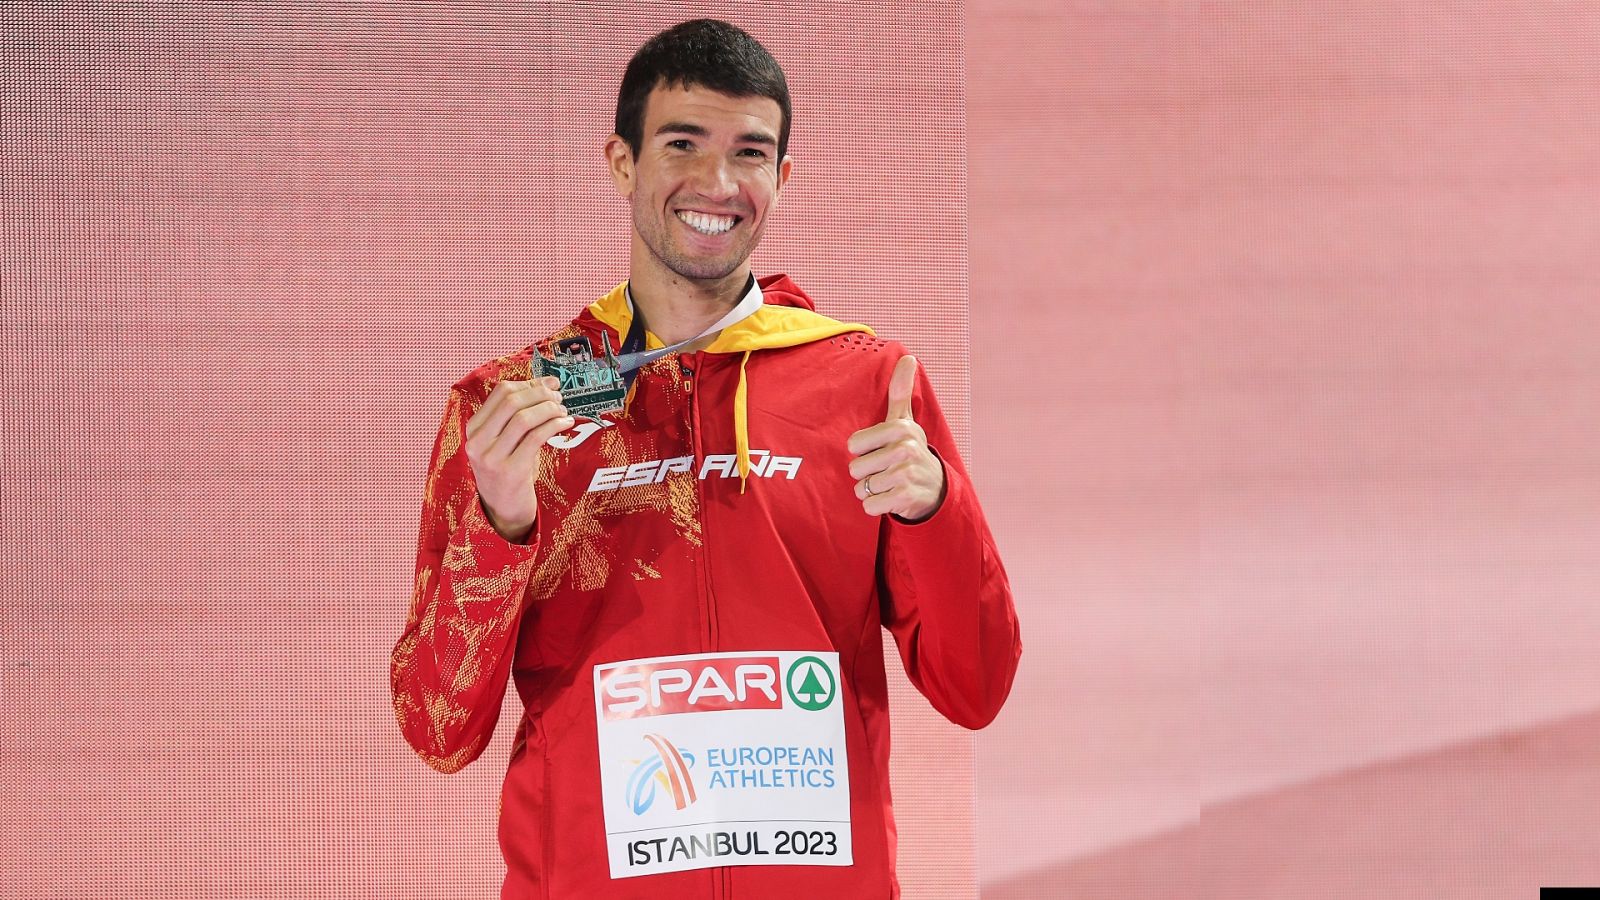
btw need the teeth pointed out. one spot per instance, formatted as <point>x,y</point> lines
<point>706,224</point>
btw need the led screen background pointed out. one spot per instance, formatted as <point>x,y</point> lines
<point>1303,516</point>
<point>248,249</point>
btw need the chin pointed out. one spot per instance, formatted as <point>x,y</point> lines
<point>704,269</point>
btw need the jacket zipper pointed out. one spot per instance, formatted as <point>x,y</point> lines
<point>708,608</point>
<point>700,504</point>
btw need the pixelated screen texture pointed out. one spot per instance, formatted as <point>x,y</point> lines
<point>1303,514</point>
<point>248,247</point>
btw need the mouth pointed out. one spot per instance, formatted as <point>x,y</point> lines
<point>707,223</point>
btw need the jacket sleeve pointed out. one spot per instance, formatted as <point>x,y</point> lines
<point>944,592</point>
<point>448,671</point>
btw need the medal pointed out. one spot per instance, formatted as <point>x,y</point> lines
<point>590,386</point>
<point>594,385</point>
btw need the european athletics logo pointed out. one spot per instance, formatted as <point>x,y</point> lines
<point>668,769</point>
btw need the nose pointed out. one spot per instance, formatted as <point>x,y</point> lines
<point>714,179</point>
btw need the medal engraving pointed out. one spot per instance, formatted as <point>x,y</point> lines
<point>590,386</point>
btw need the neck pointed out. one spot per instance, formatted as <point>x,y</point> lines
<point>675,308</point>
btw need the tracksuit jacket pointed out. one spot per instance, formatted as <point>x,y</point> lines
<point>627,561</point>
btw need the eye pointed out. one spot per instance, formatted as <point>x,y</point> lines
<point>679,144</point>
<point>754,153</point>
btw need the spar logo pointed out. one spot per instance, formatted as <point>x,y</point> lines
<point>811,684</point>
<point>691,685</point>
<point>667,769</point>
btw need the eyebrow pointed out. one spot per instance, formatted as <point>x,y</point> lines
<point>749,137</point>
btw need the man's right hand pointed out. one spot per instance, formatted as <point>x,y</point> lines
<point>504,441</point>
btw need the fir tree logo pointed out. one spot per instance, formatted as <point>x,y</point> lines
<point>810,683</point>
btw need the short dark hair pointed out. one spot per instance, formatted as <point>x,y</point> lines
<point>705,53</point>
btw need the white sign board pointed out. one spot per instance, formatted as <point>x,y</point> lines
<point>723,759</point>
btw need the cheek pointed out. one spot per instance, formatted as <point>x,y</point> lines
<point>760,196</point>
<point>764,208</point>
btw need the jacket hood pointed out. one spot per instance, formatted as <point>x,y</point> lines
<point>787,318</point>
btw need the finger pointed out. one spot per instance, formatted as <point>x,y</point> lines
<point>493,405</point>
<point>882,502</point>
<point>883,434</point>
<point>523,421</point>
<point>901,384</point>
<point>490,404</point>
<point>534,441</point>
<point>524,395</point>
<point>882,458</point>
<point>882,482</point>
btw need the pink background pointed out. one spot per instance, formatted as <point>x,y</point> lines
<point>1304,518</point>
<point>1285,395</point>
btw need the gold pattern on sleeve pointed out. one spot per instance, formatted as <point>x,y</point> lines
<point>405,709</point>
<point>451,520</point>
<point>404,658</point>
<point>456,761</point>
<point>474,636</point>
<point>449,444</point>
<point>442,713</point>
<point>418,590</point>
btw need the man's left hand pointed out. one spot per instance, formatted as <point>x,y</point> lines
<point>895,471</point>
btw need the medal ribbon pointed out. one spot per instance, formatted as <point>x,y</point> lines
<point>632,356</point>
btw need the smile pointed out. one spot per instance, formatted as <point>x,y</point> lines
<point>706,223</point>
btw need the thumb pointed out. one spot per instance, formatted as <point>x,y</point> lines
<point>900,385</point>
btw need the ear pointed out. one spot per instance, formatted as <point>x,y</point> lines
<point>785,169</point>
<point>619,159</point>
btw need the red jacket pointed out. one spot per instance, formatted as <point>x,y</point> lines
<point>686,563</point>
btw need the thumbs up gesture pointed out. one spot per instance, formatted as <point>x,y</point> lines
<point>895,471</point>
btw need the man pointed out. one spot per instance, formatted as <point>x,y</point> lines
<point>690,592</point>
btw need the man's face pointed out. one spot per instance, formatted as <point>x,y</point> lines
<point>705,180</point>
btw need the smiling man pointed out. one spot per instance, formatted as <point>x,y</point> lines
<point>680,526</point>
